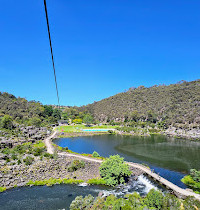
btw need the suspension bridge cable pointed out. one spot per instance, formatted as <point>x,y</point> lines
<point>45,6</point>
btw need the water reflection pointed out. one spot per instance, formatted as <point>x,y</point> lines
<point>168,156</point>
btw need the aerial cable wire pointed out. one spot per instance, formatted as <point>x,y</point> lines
<point>45,6</point>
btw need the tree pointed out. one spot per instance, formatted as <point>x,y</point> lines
<point>88,119</point>
<point>48,110</point>
<point>7,122</point>
<point>114,171</point>
<point>36,121</point>
<point>154,199</point>
<point>56,114</point>
<point>135,116</point>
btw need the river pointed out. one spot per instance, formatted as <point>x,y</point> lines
<point>171,158</point>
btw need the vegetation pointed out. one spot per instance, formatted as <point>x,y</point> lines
<point>31,149</point>
<point>78,128</point>
<point>28,160</point>
<point>75,165</point>
<point>114,171</point>
<point>19,110</point>
<point>52,181</point>
<point>193,180</point>
<point>2,189</point>
<point>97,181</point>
<point>153,200</point>
<point>95,154</point>
<point>162,105</point>
<point>88,119</point>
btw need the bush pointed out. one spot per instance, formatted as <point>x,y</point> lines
<point>171,202</point>
<point>192,180</point>
<point>95,154</point>
<point>75,165</point>
<point>154,199</point>
<point>28,160</point>
<point>7,122</point>
<point>2,189</point>
<point>191,204</point>
<point>47,155</point>
<point>77,121</point>
<point>114,171</point>
<point>82,203</point>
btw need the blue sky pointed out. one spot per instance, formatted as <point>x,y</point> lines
<point>100,47</point>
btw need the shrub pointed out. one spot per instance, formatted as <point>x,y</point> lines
<point>14,156</point>
<point>171,202</point>
<point>154,199</point>
<point>28,160</point>
<point>46,154</point>
<point>75,165</point>
<point>114,171</point>
<point>95,154</point>
<point>19,162</point>
<point>2,189</point>
<point>38,151</point>
<point>7,122</point>
<point>191,204</point>
<point>77,121</point>
<point>82,203</point>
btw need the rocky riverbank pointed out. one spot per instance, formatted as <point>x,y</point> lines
<point>193,134</point>
<point>22,134</point>
<point>19,175</point>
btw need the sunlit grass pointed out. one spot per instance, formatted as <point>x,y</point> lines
<point>78,128</point>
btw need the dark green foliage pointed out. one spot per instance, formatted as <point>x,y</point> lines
<point>35,121</point>
<point>95,154</point>
<point>6,122</point>
<point>28,160</point>
<point>48,110</point>
<point>195,175</point>
<point>75,165</point>
<point>114,171</point>
<point>46,154</point>
<point>26,112</point>
<point>154,199</point>
<point>176,105</point>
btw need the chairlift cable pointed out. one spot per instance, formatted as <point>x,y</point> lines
<point>45,6</point>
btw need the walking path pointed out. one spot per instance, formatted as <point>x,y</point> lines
<point>47,141</point>
<point>179,192</point>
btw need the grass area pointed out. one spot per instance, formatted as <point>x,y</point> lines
<point>78,128</point>
<point>97,181</point>
<point>51,181</point>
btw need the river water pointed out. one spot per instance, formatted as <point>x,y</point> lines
<point>171,158</point>
<point>60,196</point>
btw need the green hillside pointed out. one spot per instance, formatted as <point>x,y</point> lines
<point>176,104</point>
<point>27,112</point>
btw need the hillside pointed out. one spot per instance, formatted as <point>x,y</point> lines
<point>176,104</point>
<point>27,112</point>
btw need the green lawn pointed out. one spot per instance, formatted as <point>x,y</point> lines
<point>78,128</point>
